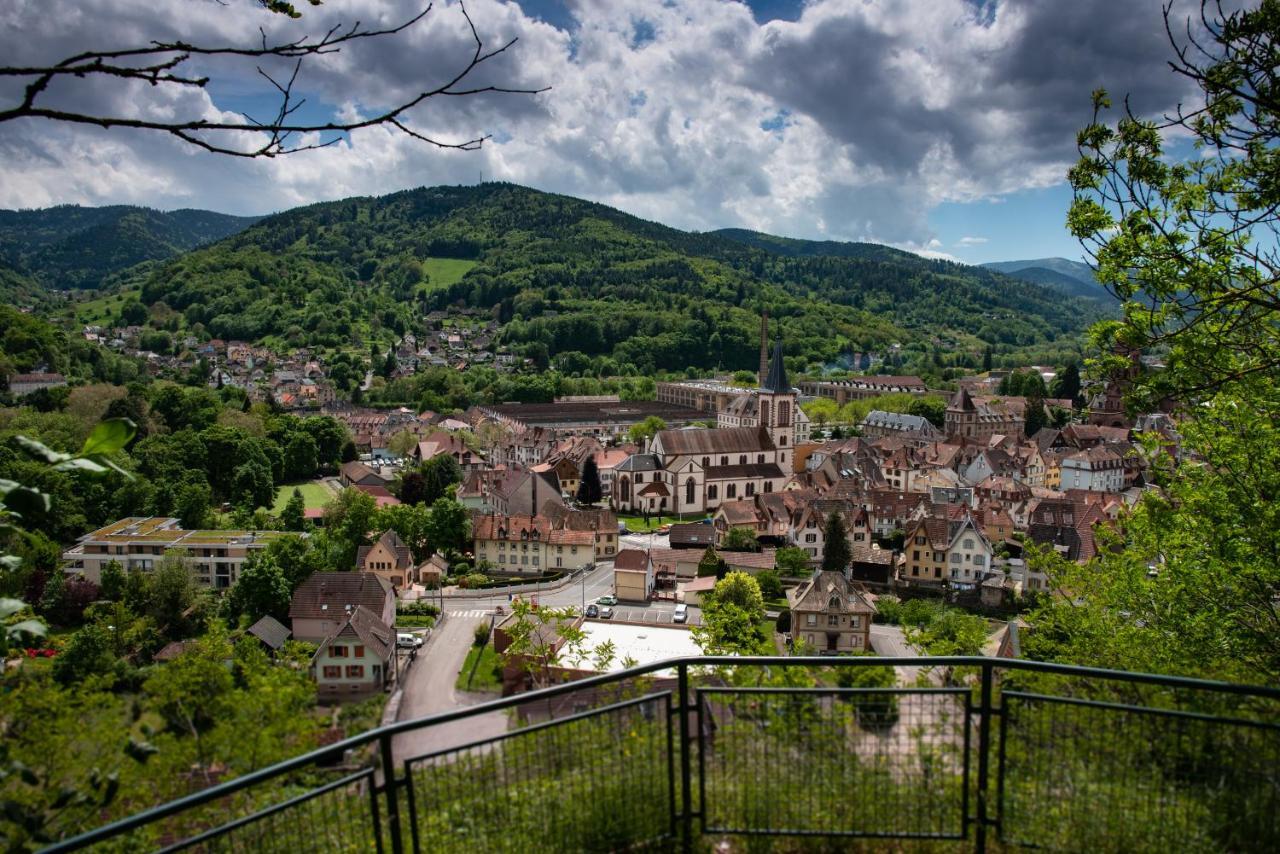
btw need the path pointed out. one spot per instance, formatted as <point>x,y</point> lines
<point>429,689</point>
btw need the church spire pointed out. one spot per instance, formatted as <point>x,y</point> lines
<point>764,346</point>
<point>777,380</point>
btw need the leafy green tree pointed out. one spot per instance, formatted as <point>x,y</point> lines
<point>770,584</point>
<point>874,711</point>
<point>171,596</point>
<point>260,590</point>
<point>412,522</point>
<point>89,653</point>
<point>195,690</point>
<point>293,516</point>
<point>792,562</point>
<point>112,581</point>
<point>1066,385</point>
<point>438,474</point>
<point>251,486</point>
<point>646,429</point>
<point>740,539</point>
<point>711,564</point>
<point>449,526</point>
<point>300,456</point>
<point>731,616</point>
<point>1186,243</point>
<point>193,503</point>
<point>836,554</point>
<point>590,489</point>
<point>402,443</point>
<point>348,520</point>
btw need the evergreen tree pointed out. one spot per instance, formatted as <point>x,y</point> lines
<point>589,489</point>
<point>1036,417</point>
<point>1066,385</point>
<point>293,517</point>
<point>986,359</point>
<point>836,554</point>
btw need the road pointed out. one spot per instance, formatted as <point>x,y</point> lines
<point>429,689</point>
<point>889,641</point>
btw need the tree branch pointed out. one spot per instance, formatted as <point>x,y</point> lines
<point>162,60</point>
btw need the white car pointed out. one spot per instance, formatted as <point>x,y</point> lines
<point>405,640</point>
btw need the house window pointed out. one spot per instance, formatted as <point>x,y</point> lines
<point>337,651</point>
<point>332,671</point>
<point>810,538</point>
<point>760,458</point>
<point>768,486</point>
<point>355,671</point>
<point>751,489</point>
<point>359,651</point>
<point>732,490</point>
<point>955,557</point>
<point>713,492</point>
<point>706,462</point>
<point>811,620</point>
<point>742,459</point>
<point>833,620</point>
<point>979,560</point>
<point>782,440</point>
<point>689,491</point>
<point>855,622</point>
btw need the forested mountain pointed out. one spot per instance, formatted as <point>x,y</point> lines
<point>76,247</point>
<point>564,275</point>
<point>1070,277</point>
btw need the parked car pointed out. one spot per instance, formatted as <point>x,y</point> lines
<point>609,599</point>
<point>405,640</point>
<point>606,613</point>
<point>681,615</point>
<point>593,610</point>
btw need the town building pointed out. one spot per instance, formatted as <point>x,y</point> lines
<point>139,542</point>
<point>357,659</point>
<point>830,615</point>
<point>389,558</point>
<point>324,603</point>
<point>693,471</point>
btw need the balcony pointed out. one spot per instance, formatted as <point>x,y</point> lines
<point>999,754</point>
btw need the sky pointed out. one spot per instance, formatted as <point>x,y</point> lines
<point>943,127</point>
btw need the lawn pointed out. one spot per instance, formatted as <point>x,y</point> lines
<point>637,525</point>
<point>98,311</point>
<point>314,494</point>
<point>442,272</point>
<point>488,671</point>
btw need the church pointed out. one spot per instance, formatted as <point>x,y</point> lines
<point>691,471</point>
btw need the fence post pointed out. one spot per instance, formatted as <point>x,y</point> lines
<point>389,786</point>
<point>686,775</point>
<point>984,751</point>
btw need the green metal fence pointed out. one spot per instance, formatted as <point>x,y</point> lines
<point>995,754</point>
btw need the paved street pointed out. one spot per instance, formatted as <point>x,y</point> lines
<point>429,689</point>
<point>889,641</point>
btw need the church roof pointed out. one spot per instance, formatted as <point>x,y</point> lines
<point>777,380</point>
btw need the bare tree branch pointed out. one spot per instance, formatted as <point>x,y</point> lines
<point>159,65</point>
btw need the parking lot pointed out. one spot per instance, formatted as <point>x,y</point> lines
<point>658,615</point>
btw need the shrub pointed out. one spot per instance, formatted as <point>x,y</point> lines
<point>482,634</point>
<point>783,624</point>
<point>888,610</point>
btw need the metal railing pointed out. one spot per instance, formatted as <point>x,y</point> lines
<point>991,753</point>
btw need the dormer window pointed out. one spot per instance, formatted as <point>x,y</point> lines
<point>834,603</point>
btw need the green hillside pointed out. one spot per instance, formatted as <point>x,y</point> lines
<point>70,246</point>
<point>568,276</point>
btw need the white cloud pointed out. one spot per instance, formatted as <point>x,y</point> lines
<point>970,241</point>
<point>887,108</point>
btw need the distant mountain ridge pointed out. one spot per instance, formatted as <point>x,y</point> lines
<point>74,247</point>
<point>1062,274</point>
<point>567,276</point>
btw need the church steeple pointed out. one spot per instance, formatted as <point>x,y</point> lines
<point>776,381</point>
<point>764,346</point>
